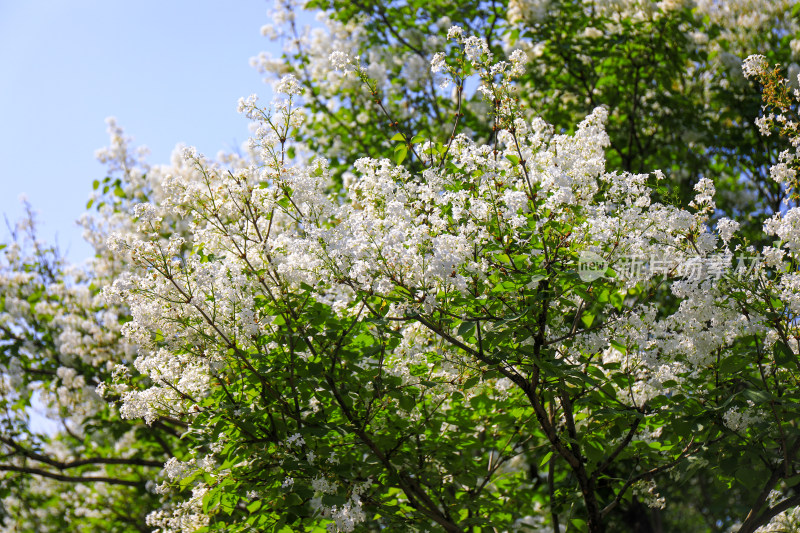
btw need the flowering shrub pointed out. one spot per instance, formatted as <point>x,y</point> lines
<point>411,322</point>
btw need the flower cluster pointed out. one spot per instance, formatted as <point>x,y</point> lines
<point>372,337</point>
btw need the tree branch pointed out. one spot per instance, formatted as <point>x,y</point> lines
<point>66,465</point>
<point>71,479</point>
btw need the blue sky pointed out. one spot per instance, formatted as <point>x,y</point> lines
<point>170,71</point>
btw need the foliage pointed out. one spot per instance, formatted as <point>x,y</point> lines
<point>446,287</point>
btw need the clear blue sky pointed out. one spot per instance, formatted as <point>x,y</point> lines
<point>170,70</point>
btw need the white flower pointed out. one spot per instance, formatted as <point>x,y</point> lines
<point>455,32</point>
<point>340,60</point>
<point>518,59</point>
<point>704,199</point>
<point>773,257</point>
<point>288,85</point>
<point>246,104</point>
<point>740,419</point>
<point>320,484</point>
<point>646,490</point>
<point>591,33</point>
<point>189,153</point>
<point>477,49</point>
<point>146,212</point>
<point>438,63</point>
<point>296,439</point>
<point>726,228</point>
<point>754,66</point>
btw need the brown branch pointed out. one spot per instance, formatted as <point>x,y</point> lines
<point>66,465</point>
<point>770,513</point>
<point>645,475</point>
<point>70,479</point>
<point>410,486</point>
<point>622,445</point>
<point>753,519</point>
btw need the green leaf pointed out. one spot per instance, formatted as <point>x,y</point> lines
<point>758,397</point>
<point>293,499</point>
<point>398,137</point>
<point>210,500</point>
<point>619,346</point>
<point>465,328</point>
<point>333,499</point>
<point>749,477</point>
<point>471,382</point>
<point>733,364</point>
<point>400,153</point>
<point>546,459</point>
<point>579,524</point>
<point>407,403</point>
<point>617,299</point>
<point>783,354</point>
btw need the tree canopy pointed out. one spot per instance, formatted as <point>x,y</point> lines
<point>482,266</point>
